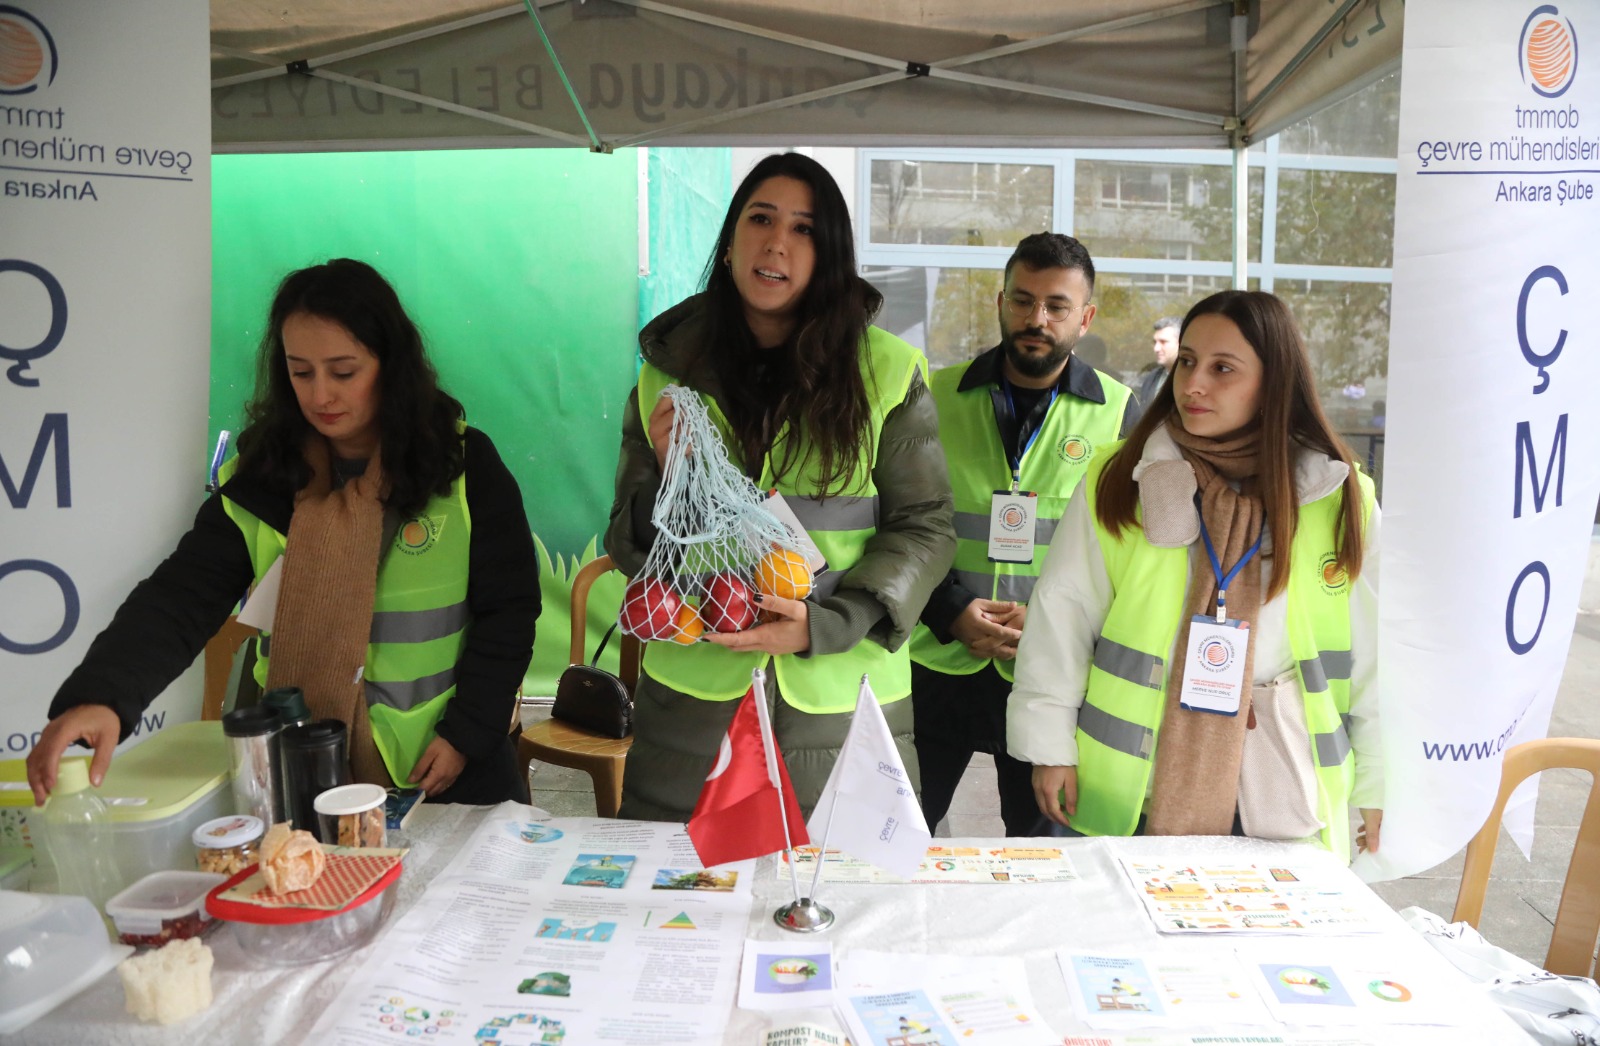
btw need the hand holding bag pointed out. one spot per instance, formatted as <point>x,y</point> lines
<point>590,697</point>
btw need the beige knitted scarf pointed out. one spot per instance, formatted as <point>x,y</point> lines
<point>322,625</point>
<point>1196,775</point>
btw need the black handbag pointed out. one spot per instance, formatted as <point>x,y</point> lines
<point>590,697</point>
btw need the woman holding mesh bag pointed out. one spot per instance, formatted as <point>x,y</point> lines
<point>811,400</point>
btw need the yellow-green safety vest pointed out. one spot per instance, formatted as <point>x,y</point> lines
<point>1051,467</point>
<point>1120,721</point>
<point>419,619</point>
<point>839,525</point>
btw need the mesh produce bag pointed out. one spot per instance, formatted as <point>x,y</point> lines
<point>716,545</point>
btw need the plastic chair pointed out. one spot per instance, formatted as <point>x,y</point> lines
<point>563,744</point>
<point>1577,927</point>
<point>219,654</point>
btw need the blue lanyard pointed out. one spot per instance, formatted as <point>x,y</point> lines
<point>1216,568</point>
<point>1011,405</point>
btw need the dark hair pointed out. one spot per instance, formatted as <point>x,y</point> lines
<point>1164,322</point>
<point>417,419</point>
<point>1291,417</point>
<point>813,382</point>
<point>1053,250</point>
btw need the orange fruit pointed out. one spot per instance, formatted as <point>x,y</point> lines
<point>688,625</point>
<point>783,573</point>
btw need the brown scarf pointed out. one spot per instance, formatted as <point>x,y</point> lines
<point>322,626</point>
<point>1196,782</point>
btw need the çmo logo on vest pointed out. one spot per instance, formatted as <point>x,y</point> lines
<point>1074,449</point>
<point>1216,654</point>
<point>1548,52</point>
<point>1330,575</point>
<point>27,52</point>
<point>417,535</point>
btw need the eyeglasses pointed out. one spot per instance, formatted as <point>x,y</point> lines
<point>1024,307</point>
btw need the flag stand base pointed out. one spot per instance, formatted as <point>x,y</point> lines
<point>803,916</point>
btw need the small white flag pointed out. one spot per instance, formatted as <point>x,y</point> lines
<point>874,813</point>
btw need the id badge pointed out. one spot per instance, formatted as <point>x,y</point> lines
<point>1013,520</point>
<point>1213,669</point>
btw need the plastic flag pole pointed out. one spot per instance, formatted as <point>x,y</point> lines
<point>827,829</point>
<point>758,683</point>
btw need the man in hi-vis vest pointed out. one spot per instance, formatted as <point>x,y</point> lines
<point>1018,425</point>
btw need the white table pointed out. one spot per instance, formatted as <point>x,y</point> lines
<point>274,1005</point>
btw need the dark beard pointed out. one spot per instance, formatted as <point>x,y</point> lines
<point>1031,365</point>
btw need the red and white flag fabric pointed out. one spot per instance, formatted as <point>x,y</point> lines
<point>739,814</point>
<point>867,807</point>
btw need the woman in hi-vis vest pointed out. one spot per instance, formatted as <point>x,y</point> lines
<point>407,606</point>
<point>833,413</point>
<point>1200,652</point>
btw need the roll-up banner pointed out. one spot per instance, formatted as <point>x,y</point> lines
<point>1493,465</point>
<point>105,272</point>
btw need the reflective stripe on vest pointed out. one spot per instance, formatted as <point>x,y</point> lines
<point>840,526</point>
<point>1051,468</point>
<point>419,619</point>
<point>1126,688</point>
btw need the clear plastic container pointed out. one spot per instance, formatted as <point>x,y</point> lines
<point>162,907</point>
<point>296,944</point>
<point>228,844</point>
<point>77,836</point>
<point>53,948</point>
<point>160,791</point>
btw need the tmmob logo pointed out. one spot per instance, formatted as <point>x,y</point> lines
<point>27,52</point>
<point>1548,52</point>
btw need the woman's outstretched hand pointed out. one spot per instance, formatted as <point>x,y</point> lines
<point>95,725</point>
<point>787,630</point>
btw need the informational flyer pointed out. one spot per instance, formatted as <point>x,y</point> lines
<point>557,931</point>
<point>938,999</point>
<point>1317,986</point>
<point>1246,898</point>
<point>1250,1038</point>
<point>949,864</point>
<point>1138,991</point>
<point>786,975</point>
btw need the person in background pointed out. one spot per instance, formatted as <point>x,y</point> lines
<point>1201,654</point>
<point>1026,415</point>
<point>1164,342</point>
<point>408,608</point>
<point>780,343</point>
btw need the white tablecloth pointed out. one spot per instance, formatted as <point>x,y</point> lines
<point>257,1004</point>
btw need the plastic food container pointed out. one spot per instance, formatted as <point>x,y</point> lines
<point>162,907</point>
<point>228,845</point>
<point>298,936</point>
<point>160,790</point>
<point>51,948</point>
<point>352,815</point>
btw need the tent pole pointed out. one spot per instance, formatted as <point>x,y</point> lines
<point>595,144</point>
<point>1241,213</point>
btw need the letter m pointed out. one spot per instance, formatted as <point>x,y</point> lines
<point>54,427</point>
<point>1555,465</point>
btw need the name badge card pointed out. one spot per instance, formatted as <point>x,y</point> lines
<point>1213,669</point>
<point>1013,521</point>
<point>775,504</point>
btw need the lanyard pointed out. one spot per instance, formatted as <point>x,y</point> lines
<point>1022,452</point>
<point>1216,568</point>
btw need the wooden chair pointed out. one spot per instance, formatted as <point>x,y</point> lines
<point>219,654</point>
<point>572,746</point>
<point>1577,927</point>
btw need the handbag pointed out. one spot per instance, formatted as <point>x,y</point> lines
<point>1277,778</point>
<point>590,697</point>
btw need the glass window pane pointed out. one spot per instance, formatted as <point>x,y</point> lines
<point>947,312</point>
<point>1126,309</point>
<point>1335,218</point>
<point>1365,124</point>
<point>963,204</point>
<point>1155,210</point>
<point>1346,327</point>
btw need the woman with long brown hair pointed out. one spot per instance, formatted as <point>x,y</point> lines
<point>1200,658</point>
<point>815,402</point>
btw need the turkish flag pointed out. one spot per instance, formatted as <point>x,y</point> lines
<point>739,813</point>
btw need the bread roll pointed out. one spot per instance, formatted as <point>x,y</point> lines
<point>290,860</point>
<point>168,984</point>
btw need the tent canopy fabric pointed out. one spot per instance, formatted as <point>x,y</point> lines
<point>606,74</point>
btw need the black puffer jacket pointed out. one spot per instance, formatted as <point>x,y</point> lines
<point>880,597</point>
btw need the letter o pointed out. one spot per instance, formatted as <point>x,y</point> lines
<point>69,614</point>
<point>1517,647</point>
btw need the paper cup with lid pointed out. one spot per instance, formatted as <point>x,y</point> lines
<point>352,815</point>
<point>228,844</point>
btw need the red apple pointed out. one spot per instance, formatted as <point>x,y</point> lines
<point>729,605</point>
<point>650,609</point>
